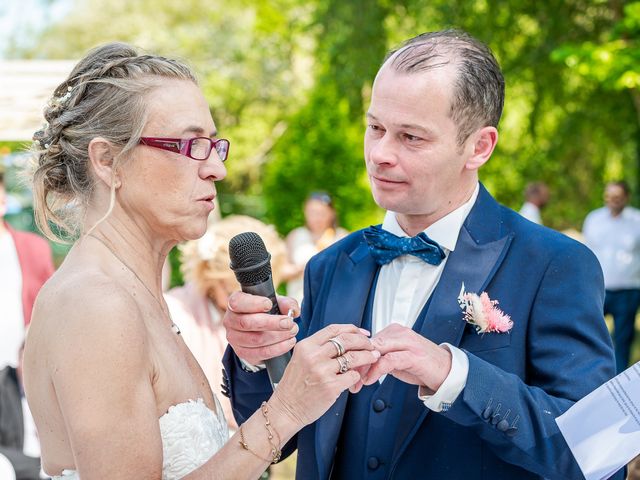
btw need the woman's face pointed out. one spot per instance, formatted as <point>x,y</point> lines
<point>318,215</point>
<point>171,194</point>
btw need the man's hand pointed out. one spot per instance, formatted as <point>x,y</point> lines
<point>255,335</point>
<point>409,357</point>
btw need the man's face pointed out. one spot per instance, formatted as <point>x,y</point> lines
<point>615,199</point>
<point>415,166</point>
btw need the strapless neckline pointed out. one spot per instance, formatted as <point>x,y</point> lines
<point>191,434</point>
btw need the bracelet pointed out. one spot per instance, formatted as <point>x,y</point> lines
<point>245,445</point>
<point>276,453</point>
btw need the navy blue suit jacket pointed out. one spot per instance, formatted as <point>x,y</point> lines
<point>558,351</point>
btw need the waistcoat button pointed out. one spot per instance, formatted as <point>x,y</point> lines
<point>379,405</point>
<point>373,463</point>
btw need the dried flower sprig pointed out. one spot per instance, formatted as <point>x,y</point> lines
<point>483,313</point>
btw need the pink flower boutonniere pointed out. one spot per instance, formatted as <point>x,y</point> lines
<point>483,313</point>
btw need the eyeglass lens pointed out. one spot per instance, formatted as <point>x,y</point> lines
<point>201,148</point>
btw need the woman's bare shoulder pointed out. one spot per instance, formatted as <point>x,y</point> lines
<point>86,305</point>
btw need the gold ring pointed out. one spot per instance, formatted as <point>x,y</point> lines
<point>344,364</point>
<point>339,347</point>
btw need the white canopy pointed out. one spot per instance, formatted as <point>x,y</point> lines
<point>25,88</point>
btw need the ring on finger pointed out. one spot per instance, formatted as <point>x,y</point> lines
<point>344,364</point>
<point>339,347</point>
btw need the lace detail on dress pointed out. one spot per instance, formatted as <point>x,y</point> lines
<point>191,435</point>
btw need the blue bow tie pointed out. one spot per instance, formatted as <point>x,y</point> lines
<point>385,246</point>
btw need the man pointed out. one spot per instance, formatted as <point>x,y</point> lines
<point>536,196</point>
<point>18,438</point>
<point>451,403</point>
<point>25,263</point>
<point>613,233</point>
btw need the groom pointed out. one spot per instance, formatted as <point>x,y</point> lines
<point>451,397</point>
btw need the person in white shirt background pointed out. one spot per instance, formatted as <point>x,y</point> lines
<point>319,231</point>
<point>613,233</point>
<point>536,196</point>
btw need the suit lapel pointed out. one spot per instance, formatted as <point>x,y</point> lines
<point>346,301</point>
<point>479,252</point>
<point>349,289</point>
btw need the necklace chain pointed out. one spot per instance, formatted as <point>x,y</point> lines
<point>174,327</point>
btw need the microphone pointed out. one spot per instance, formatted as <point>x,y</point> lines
<point>251,265</point>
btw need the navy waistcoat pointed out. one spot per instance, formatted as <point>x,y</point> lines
<point>368,434</point>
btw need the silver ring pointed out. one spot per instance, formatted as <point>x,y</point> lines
<point>339,347</point>
<point>344,364</point>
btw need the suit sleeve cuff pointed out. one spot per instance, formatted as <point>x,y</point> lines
<point>452,386</point>
<point>247,367</point>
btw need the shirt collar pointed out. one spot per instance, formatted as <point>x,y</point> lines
<point>445,231</point>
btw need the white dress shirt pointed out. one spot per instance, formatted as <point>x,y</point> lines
<point>11,315</point>
<point>531,212</point>
<point>616,243</point>
<point>406,283</point>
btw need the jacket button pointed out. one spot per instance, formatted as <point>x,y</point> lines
<point>373,463</point>
<point>503,425</point>
<point>379,405</point>
<point>511,431</point>
<point>486,414</point>
<point>495,419</point>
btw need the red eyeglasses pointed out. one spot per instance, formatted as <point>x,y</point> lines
<point>198,148</point>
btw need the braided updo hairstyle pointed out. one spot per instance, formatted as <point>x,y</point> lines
<point>104,96</point>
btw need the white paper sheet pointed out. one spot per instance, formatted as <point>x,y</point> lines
<point>603,429</point>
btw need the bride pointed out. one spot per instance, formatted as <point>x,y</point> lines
<point>127,161</point>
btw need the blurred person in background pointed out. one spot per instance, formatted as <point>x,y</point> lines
<point>536,196</point>
<point>613,233</point>
<point>319,231</point>
<point>18,437</point>
<point>25,265</point>
<point>198,305</point>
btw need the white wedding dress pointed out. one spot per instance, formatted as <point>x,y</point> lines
<point>191,434</point>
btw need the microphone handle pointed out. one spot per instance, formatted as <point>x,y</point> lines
<point>276,365</point>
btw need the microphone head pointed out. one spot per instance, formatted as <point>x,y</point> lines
<point>250,260</point>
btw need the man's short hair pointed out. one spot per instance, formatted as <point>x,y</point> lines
<point>623,185</point>
<point>478,95</point>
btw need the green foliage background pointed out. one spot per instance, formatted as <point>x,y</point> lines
<point>288,81</point>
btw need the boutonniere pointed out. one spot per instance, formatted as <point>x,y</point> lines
<point>483,313</point>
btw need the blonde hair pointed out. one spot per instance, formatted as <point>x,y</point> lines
<point>104,96</point>
<point>206,260</point>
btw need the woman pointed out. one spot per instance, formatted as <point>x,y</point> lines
<point>131,147</point>
<point>199,305</point>
<point>319,231</point>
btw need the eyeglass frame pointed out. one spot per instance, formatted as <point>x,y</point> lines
<point>183,145</point>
